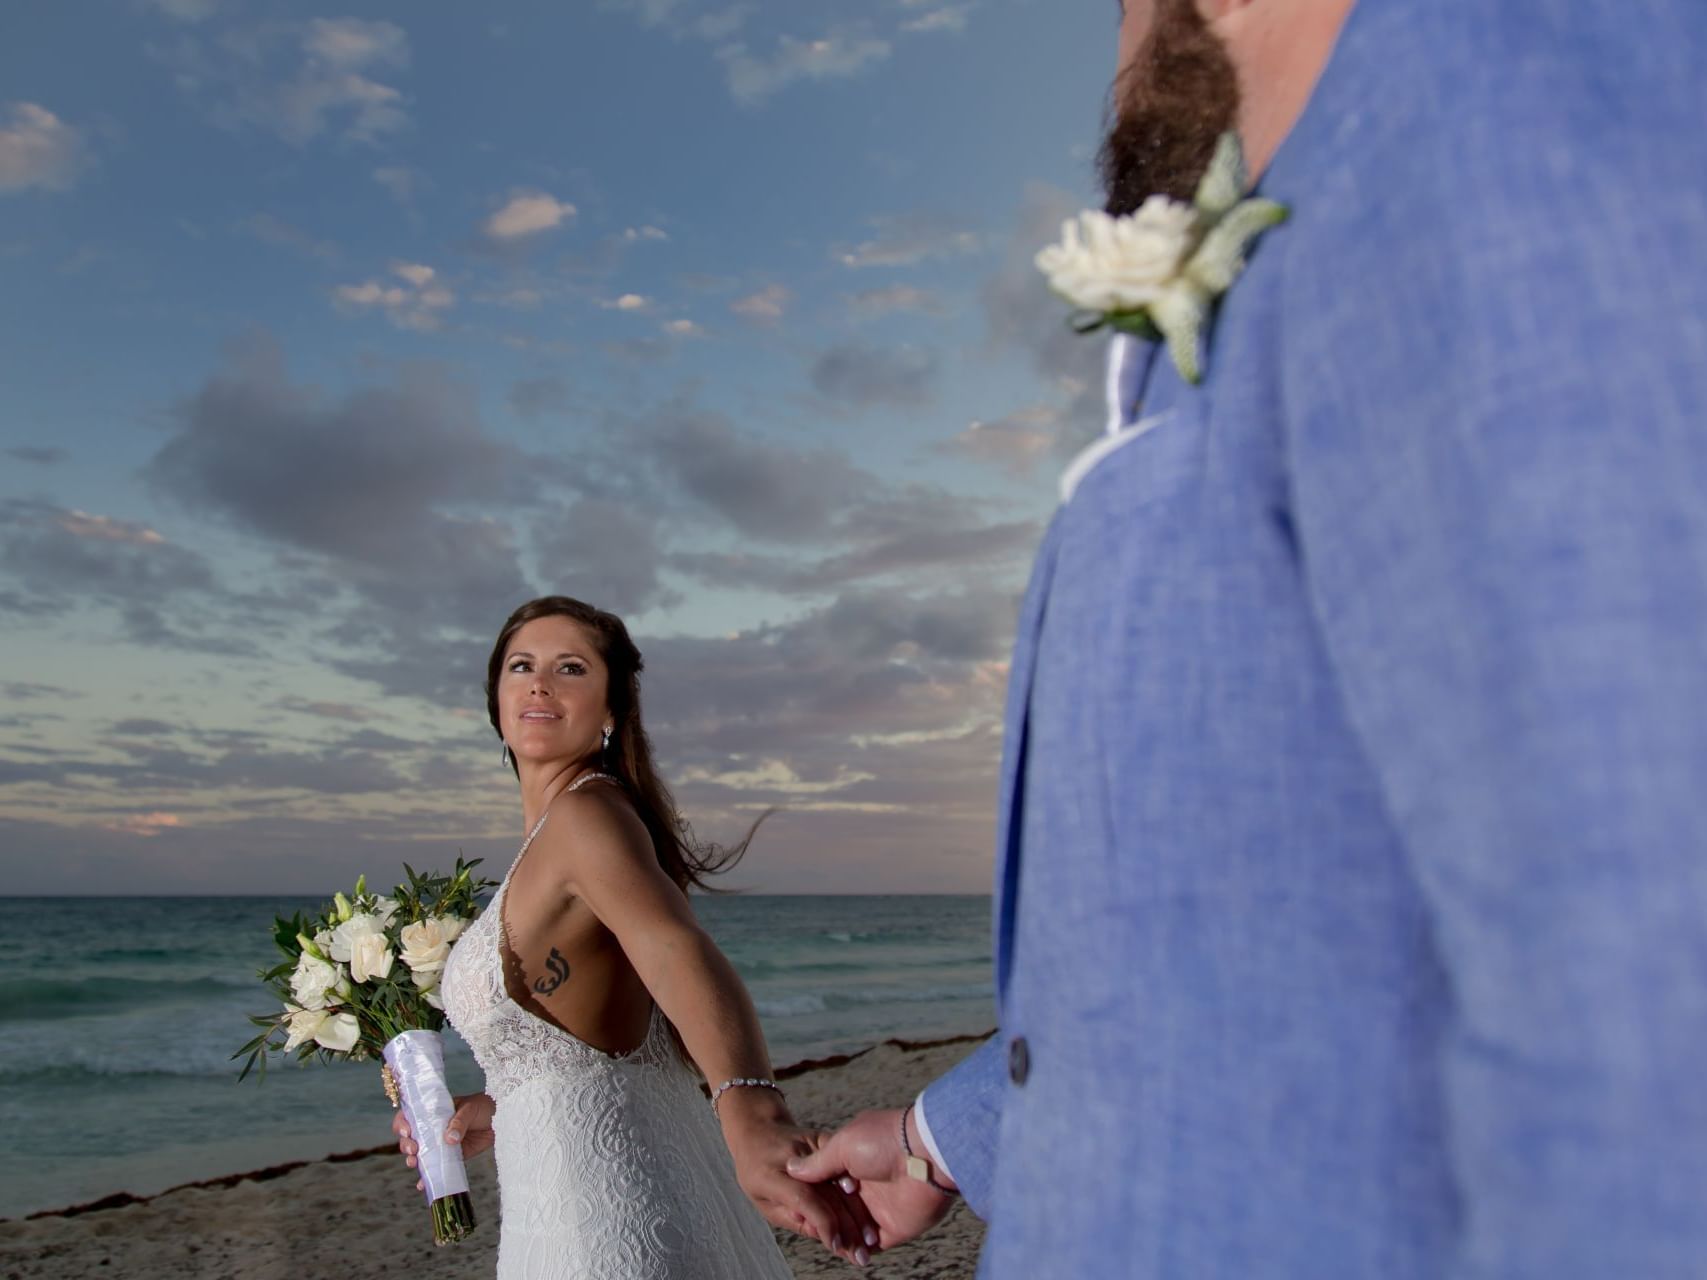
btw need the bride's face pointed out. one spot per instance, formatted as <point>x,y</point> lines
<point>552,692</point>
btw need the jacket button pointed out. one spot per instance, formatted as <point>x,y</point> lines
<point>1019,1060</point>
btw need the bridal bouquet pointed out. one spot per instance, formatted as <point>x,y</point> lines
<point>361,981</point>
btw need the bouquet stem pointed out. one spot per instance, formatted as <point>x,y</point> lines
<point>415,1060</point>
<point>453,1218</point>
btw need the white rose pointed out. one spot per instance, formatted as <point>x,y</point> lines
<point>344,936</point>
<point>385,909</point>
<point>311,981</point>
<point>370,958</point>
<point>425,946</point>
<point>338,1033</point>
<point>1105,263</point>
<point>432,998</point>
<point>304,1024</point>
<point>451,926</point>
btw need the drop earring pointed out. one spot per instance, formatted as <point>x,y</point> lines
<point>605,749</point>
<point>505,756</point>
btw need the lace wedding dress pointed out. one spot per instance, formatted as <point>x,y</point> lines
<point>609,1168</point>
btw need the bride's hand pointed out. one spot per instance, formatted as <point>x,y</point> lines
<point>763,1138</point>
<point>470,1128</point>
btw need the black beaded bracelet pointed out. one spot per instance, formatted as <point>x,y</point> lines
<point>918,1168</point>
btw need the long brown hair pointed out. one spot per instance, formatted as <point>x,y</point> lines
<point>629,757</point>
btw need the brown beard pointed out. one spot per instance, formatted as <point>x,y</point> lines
<point>1173,100</point>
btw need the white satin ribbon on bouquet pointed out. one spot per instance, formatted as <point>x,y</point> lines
<point>417,1062</point>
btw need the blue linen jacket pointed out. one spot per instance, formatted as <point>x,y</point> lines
<point>1351,901</point>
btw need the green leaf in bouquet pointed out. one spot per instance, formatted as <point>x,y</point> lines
<point>285,934</point>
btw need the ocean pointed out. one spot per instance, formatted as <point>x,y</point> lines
<point>118,1018</point>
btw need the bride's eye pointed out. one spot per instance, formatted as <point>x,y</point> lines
<point>573,669</point>
<point>519,664</point>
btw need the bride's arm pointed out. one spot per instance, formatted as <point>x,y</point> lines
<point>603,854</point>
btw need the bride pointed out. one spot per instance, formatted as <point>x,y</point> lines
<point>582,982</point>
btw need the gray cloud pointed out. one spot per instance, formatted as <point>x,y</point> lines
<point>149,769</point>
<point>272,230</point>
<point>38,149</point>
<point>863,376</point>
<point>640,350</point>
<point>1022,314</point>
<point>894,299</point>
<point>149,624</point>
<point>797,700</point>
<point>910,239</point>
<point>1019,441</point>
<point>383,501</point>
<point>602,552</point>
<point>837,54</point>
<point>362,480</point>
<point>1022,317</point>
<point>21,690</point>
<point>186,10</point>
<point>346,712</point>
<point>947,554</point>
<point>760,488</point>
<point>650,13</point>
<point>59,559</point>
<point>142,727</point>
<point>37,455</point>
<point>539,397</point>
<point>298,80</point>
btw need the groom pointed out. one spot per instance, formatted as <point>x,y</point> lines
<point>1351,907</point>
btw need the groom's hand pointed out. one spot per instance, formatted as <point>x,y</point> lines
<point>867,1149</point>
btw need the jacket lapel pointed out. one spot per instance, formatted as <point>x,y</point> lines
<point>1130,364</point>
<point>1014,741</point>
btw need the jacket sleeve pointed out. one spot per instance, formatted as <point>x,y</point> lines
<point>964,1111</point>
<point>1497,407</point>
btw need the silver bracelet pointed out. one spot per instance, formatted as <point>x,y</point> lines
<point>742,1082</point>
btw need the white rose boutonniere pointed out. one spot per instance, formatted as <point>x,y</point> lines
<point>1158,272</point>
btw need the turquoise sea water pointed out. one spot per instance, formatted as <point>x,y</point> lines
<point>118,1017</point>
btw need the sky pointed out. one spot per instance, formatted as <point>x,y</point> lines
<point>331,334</point>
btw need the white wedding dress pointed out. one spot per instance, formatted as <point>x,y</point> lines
<point>609,1168</point>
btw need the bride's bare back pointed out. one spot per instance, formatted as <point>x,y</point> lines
<point>560,962</point>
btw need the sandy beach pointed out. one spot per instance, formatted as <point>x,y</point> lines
<point>358,1215</point>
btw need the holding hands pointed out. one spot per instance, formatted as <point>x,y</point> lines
<point>765,1142</point>
<point>866,1159</point>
